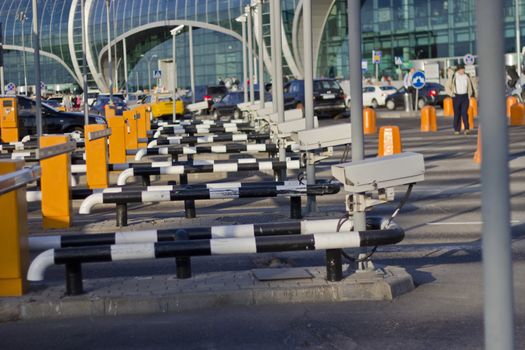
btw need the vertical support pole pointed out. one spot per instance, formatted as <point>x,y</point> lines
<point>250,53</point>
<point>14,252</point>
<point>356,84</point>
<point>192,64</point>
<point>183,262</point>
<point>278,82</point>
<point>244,60</point>
<point>311,205</point>
<point>74,285</point>
<point>274,50</point>
<point>125,54</point>
<point>334,271</point>
<point>36,47</point>
<point>110,59</point>
<point>518,40</point>
<point>2,80</point>
<point>189,204</point>
<point>496,233</point>
<point>295,207</point>
<point>174,76</point>
<point>122,214</point>
<point>84,62</point>
<point>261,52</point>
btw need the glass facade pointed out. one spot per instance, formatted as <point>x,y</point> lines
<point>412,29</point>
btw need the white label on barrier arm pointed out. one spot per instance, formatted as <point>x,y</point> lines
<point>232,231</point>
<point>218,149</point>
<point>224,185</point>
<point>156,196</point>
<point>222,193</point>
<point>265,165</point>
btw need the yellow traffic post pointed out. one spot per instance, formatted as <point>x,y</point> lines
<point>117,140</point>
<point>55,185</point>
<point>474,106</point>
<point>96,157</point>
<point>369,121</point>
<point>448,107</point>
<point>428,119</point>
<point>9,119</point>
<point>517,114</point>
<point>14,251</point>
<point>131,135</point>
<point>511,100</point>
<point>389,141</point>
<point>109,111</point>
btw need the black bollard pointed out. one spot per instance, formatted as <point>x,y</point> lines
<point>122,214</point>
<point>146,180</point>
<point>295,207</point>
<point>183,262</point>
<point>74,279</point>
<point>334,265</point>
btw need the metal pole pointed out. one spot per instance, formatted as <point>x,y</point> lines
<point>308,91</point>
<point>273,31</point>
<point>84,62</point>
<point>125,53</point>
<point>278,62</point>
<point>495,196</point>
<point>36,47</point>
<point>192,65</point>
<point>174,76</point>
<point>261,53</point>
<point>518,40</point>
<point>244,61</point>
<point>250,53</point>
<point>115,79</point>
<point>2,80</point>
<point>149,74</point>
<point>356,86</point>
<point>24,56</point>
<point>110,63</point>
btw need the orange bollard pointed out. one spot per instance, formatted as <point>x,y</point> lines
<point>55,183</point>
<point>428,119</point>
<point>117,140</point>
<point>14,246</point>
<point>448,107</point>
<point>477,154</point>
<point>473,104</point>
<point>369,121</point>
<point>389,141</point>
<point>96,158</point>
<point>517,114</point>
<point>471,122</point>
<point>511,100</point>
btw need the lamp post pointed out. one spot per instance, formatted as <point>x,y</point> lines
<point>36,47</point>
<point>84,63</point>
<point>174,33</point>
<point>242,20</point>
<point>261,52</point>
<point>110,59</point>
<point>22,17</point>
<point>248,11</point>
<point>518,40</point>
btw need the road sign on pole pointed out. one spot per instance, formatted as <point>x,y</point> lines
<point>418,82</point>
<point>469,59</point>
<point>157,74</point>
<point>10,89</point>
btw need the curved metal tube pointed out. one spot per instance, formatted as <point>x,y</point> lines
<point>152,144</point>
<point>124,176</point>
<point>141,153</point>
<point>90,202</point>
<point>40,264</point>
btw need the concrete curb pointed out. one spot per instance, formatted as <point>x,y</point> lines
<point>166,294</point>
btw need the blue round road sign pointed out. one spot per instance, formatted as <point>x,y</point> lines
<point>418,80</point>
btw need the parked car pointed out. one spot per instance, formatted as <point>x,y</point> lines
<point>210,94</point>
<point>329,98</point>
<point>375,96</point>
<point>162,105</point>
<point>431,94</point>
<point>98,107</point>
<point>227,106</point>
<point>53,121</point>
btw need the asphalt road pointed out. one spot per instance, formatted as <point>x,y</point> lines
<point>441,251</point>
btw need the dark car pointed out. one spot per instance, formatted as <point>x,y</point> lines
<point>210,94</point>
<point>53,121</point>
<point>227,106</point>
<point>329,98</point>
<point>98,107</point>
<point>431,94</point>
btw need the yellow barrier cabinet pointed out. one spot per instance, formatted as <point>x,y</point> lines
<point>142,131</point>
<point>9,119</point>
<point>55,185</point>
<point>131,130</point>
<point>96,158</point>
<point>14,252</point>
<point>117,140</point>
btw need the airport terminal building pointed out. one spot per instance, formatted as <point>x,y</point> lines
<point>140,37</point>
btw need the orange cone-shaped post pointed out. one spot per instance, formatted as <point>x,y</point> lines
<point>477,155</point>
<point>511,100</point>
<point>369,121</point>
<point>471,123</point>
<point>448,107</point>
<point>474,106</point>
<point>389,141</point>
<point>517,114</point>
<point>428,119</point>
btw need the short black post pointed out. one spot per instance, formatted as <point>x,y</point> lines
<point>334,265</point>
<point>146,180</point>
<point>183,262</point>
<point>189,205</point>
<point>122,214</point>
<point>74,279</point>
<point>295,207</point>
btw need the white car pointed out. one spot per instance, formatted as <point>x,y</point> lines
<point>375,96</point>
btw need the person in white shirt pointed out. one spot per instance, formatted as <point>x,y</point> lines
<point>461,87</point>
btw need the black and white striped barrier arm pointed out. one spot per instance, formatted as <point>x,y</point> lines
<point>17,146</point>
<point>304,227</point>
<point>228,167</point>
<point>32,155</point>
<point>185,140</point>
<point>199,122</point>
<point>290,188</point>
<point>228,148</point>
<point>73,258</point>
<point>200,129</point>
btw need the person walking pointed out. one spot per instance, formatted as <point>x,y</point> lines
<point>461,87</point>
